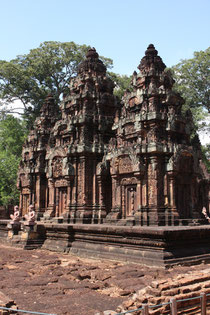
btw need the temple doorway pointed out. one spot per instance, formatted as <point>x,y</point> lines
<point>131,202</point>
<point>62,201</point>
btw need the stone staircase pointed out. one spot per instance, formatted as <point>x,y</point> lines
<point>182,287</point>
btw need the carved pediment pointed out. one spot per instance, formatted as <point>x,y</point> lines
<point>129,181</point>
<point>125,165</point>
<point>60,167</point>
<point>57,167</point>
<point>25,181</point>
<point>61,183</point>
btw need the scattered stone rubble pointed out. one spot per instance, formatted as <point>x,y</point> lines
<point>7,302</point>
<point>183,286</point>
<point>64,284</point>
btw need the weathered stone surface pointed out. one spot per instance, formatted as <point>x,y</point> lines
<point>51,282</point>
<point>97,160</point>
<point>7,302</point>
<point>153,246</point>
<point>191,285</point>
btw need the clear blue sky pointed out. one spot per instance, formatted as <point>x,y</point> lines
<point>119,29</point>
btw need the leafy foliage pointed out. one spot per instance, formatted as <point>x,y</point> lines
<point>122,83</point>
<point>12,135</point>
<point>46,69</point>
<point>193,83</point>
<point>193,79</point>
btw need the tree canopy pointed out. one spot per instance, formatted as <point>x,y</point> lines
<point>46,69</point>
<point>192,78</point>
<point>12,135</point>
<point>122,83</point>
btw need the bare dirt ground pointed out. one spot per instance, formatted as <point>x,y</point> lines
<point>58,283</point>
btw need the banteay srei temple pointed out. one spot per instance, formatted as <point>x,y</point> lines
<point>98,160</point>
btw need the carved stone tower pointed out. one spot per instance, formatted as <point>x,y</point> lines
<point>80,139</point>
<point>155,171</point>
<point>128,164</point>
<point>32,181</point>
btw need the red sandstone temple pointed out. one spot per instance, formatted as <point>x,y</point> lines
<point>98,160</point>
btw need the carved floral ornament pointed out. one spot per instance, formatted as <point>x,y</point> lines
<point>25,180</point>
<point>59,167</point>
<point>129,181</point>
<point>126,164</point>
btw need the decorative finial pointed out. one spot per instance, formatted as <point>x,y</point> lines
<point>151,62</point>
<point>92,53</point>
<point>92,62</point>
<point>151,50</point>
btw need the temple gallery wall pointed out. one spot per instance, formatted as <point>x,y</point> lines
<point>98,159</point>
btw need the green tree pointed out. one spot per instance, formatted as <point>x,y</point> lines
<point>46,69</point>
<point>193,83</point>
<point>12,135</point>
<point>122,83</point>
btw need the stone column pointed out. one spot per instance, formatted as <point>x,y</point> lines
<point>123,191</point>
<point>172,199</point>
<point>56,201</point>
<point>51,193</point>
<point>144,193</point>
<point>114,192</point>
<point>75,181</point>
<point>152,182</point>
<point>38,194</point>
<point>138,194</point>
<point>100,192</point>
<point>82,180</point>
<point>61,203</point>
<point>172,191</point>
<point>94,183</point>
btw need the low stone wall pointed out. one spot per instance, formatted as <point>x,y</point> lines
<point>152,246</point>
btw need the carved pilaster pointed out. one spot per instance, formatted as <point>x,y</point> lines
<point>38,193</point>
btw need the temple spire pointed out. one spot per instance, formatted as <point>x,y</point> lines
<point>92,53</point>
<point>151,62</point>
<point>92,63</point>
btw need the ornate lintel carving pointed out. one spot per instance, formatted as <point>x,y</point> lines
<point>129,181</point>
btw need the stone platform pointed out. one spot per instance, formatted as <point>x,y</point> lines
<point>151,246</point>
